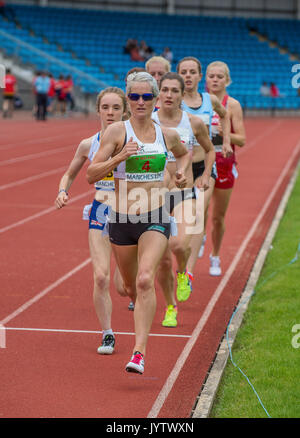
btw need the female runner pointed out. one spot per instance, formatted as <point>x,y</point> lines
<point>111,107</point>
<point>182,202</point>
<point>201,105</point>
<point>217,79</point>
<point>136,150</point>
<point>157,66</point>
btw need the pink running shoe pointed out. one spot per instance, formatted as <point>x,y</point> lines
<point>136,364</point>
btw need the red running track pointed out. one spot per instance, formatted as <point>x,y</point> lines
<point>49,366</point>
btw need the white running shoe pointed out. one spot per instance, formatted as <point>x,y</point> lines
<point>202,247</point>
<point>108,345</point>
<point>215,266</point>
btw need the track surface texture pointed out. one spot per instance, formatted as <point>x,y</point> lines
<point>50,366</point>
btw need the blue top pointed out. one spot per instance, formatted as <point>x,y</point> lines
<point>42,84</point>
<point>205,111</point>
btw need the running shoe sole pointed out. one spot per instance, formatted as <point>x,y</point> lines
<point>133,368</point>
<point>105,350</point>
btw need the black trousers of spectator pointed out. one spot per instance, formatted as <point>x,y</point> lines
<point>41,100</point>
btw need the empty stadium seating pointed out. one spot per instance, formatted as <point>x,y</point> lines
<point>92,42</point>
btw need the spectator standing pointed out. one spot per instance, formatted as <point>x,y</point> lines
<point>34,109</point>
<point>42,85</point>
<point>69,85</point>
<point>51,95</point>
<point>9,91</point>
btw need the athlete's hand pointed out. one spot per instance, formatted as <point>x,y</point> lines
<point>202,182</point>
<point>61,200</point>
<point>226,150</point>
<point>129,149</point>
<point>180,179</point>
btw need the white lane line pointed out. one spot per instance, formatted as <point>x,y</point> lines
<point>92,331</point>
<point>36,155</point>
<point>39,140</point>
<point>42,213</point>
<point>2,336</point>
<point>162,396</point>
<point>32,178</point>
<point>44,292</point>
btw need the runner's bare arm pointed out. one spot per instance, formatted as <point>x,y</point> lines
<point>238,137</point>
<point>201,134</point>
<point>111,153</point>
<point>225,123</point>
<point>69,176</point>
<point>180,152</point>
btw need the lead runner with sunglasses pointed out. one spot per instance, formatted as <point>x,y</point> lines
<point>139,228</point>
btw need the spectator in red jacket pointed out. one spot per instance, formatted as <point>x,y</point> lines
<point>69,92</point>
<point>9,92</point>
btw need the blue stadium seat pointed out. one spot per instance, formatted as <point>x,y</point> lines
<point>93,41</point>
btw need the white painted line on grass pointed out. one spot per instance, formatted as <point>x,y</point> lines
<point>162,396</point>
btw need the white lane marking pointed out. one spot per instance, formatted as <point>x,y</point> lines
<point>36,155</point>
<point>32,178</point>
<point>42,213</point>
<point>2,336</point>
<point>44,292</point>
<point>92,331</point>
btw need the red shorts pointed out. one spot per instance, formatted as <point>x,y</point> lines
<point>227,172</point>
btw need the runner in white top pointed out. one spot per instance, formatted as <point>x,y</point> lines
<point>111,106</point>
<point>139,226</point>
<point>182,202</point>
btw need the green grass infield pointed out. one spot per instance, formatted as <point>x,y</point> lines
<point>267,345</point>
